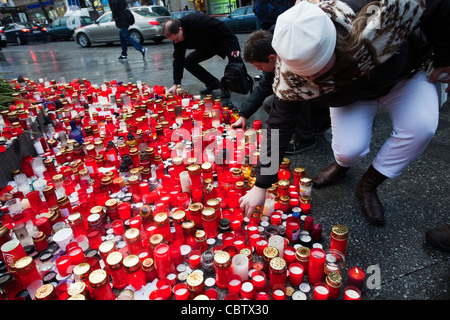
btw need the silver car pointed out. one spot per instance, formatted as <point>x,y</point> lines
<point>147,26</point>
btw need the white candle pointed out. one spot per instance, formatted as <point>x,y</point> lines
<point>277,242</point>
<point>185,181</point>
<point>240,266</point>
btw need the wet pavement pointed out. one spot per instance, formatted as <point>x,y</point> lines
<point>409,268</point>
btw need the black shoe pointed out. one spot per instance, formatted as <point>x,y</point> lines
<point>296,147</point>
<point>210,89</point>
<point>122,57</point>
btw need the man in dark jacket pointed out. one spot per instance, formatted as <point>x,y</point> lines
<point>208,37</point>
<point>119,10</point>
<point>310,121</point>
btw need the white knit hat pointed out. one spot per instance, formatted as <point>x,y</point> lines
<point>304,38</point>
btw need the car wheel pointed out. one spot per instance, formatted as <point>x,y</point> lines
<point>158,40</point>
<point>83,40</point>
<point>137,36</point>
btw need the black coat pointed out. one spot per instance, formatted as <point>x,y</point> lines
<point>118,9</point>
<point>205,34</point>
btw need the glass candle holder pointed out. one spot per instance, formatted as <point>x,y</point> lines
<point>296,273</point>
<point>132,267</point>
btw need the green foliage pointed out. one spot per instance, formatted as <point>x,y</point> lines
<point>6,91</point>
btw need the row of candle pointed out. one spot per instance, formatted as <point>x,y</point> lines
<point>211,228</point>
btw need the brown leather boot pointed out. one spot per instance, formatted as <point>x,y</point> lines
<point>329,175</point>
<point>366,192</point>
<point>439,237</point>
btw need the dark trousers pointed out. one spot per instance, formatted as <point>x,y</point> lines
<point>125,39</point>
<point>192,64</point>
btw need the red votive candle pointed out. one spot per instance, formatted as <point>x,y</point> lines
<point>234,284</point>
<point>275,219</point>
<point>316,265</point>
<point>124,211</point>
<point>181,291</point>
<point>260,245</point>
<point>194,258</point>
<point>296,274</point>
<point>76,256</point>
<point>63,264</point>
<point>339,238</point>
<point>247,290</point>
<point>356,277</point>
<point>163,260</point>
<point>321,291</point>
<point>308,223</point>
<point>352,293</point>
<point>43,224</point>
<point>278,294</point>
<point>118,227</point>
<point>258,280</point>
<point>95,238</point>
<point>292,228</point>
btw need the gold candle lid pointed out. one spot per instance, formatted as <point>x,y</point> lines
<point>156,239</point>
<point>194,280</point>
<point>77,287</point>
<point>81,270</point>
<point>98,278</point>
<point>209,214</point>
<point>278,264</point>
<point>339,232</point>
<point>131,263</point>
<point>270,252</point>
<point>44,292</point>
<point>114,259</point>
<point>334,279</point>
<point>222,259</point>
<point>195,207</point>
<point>132,234</point>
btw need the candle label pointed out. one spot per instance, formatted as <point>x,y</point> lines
<point>295,234</point>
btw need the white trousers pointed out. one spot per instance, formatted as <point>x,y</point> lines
<point>414,111</point>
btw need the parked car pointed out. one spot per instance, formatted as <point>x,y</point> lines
<point>22,33</point>
<point>63,28</point>
<point>2,38</point>
<point>147,26</point>
<point>242,19</point>
<point>180,14</point>
<point>158,10</point>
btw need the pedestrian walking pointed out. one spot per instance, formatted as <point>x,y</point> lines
<point>208,37</point>
<point>353,56</point>
<point>121,15</point>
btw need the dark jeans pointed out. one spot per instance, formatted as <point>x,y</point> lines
<point>192,64</point>
<point>125,39</point>
<point>304,131</point>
